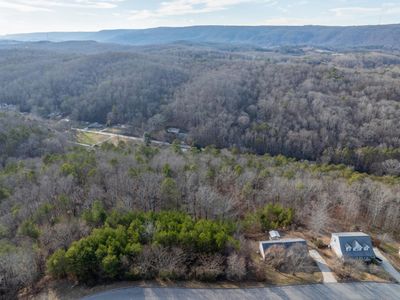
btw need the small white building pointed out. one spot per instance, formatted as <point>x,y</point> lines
<point>354,245</point>
<point>173,130</point>
<point>274,235</point>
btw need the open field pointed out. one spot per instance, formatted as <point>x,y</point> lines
<point>96,138</point>
<point>391,251</point>
<point>90,138</point>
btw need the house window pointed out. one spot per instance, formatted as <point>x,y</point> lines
<point>357,246</point>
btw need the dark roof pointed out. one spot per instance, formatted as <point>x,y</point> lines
<point>283,242</point>
<point>354,234</point>
<point>95,125</point>
<point>354,239</point>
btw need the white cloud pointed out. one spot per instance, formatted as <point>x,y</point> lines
<point>186,7</point>
<point>21,7</point>
<point>349,11</point>
<point>49,5</point>
<point>385,9</point>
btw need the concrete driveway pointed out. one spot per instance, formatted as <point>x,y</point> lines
<point>327,274</point>
<point>388,266</point>
<point>333,291</point>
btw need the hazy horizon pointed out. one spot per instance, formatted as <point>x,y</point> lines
<point>188,26</point>
<point>39,16</point>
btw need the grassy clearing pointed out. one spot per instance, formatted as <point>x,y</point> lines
<point>391,252</point>
<point>90,138</point>
<point>117,139</point>
<point>115,130</point>
<point>279,278</point>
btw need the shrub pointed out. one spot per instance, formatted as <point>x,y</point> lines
<point>29,229</point>
<point>209,267</point>
<point>275,256</point>
<point>236,267</point>
<point>57,264</point>
<point>319,243</point>
<point>109,252</point>
<point>274,216</point>
<point>96,215</point>
<point>4,193</point>
<point>271,216</point>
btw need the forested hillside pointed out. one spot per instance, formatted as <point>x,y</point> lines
<point>115,212</point>
<point>382,36</point>
<point>299,102</point>
<point>25,137</point>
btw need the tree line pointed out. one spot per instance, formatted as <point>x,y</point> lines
<point>77,198</point>
<point>314,106</point>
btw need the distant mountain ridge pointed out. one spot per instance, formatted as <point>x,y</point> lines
<point>380,36</point>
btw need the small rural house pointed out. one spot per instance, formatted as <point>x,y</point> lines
<point>95,125</point>
<point>274,235</point>
<point>173,130</point>
<point>286,243</point>
<point>356,245</point>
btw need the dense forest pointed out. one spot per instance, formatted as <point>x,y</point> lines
<point>115,212</point>
<point>299,102</point>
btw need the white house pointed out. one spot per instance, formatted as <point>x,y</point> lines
<point>356,245</point>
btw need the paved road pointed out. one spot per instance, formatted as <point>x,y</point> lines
<point>387,266</point>
<point>333,291</point>
<point>327,274</point>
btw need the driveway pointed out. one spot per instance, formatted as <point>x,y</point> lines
<point>334,291</point>
<point>388,266</point>
<point>327,274</point>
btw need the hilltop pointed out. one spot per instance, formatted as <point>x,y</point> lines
<point>376,36</point>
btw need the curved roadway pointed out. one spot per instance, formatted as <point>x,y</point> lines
<point>334,291</point>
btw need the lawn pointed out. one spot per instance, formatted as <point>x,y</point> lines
<point>279,278</point>
<point>391,252</point>
<point>89,138</point>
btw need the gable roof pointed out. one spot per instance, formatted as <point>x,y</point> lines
<point>355,234</point>
<point>283,242</point>
<point>359,242</point>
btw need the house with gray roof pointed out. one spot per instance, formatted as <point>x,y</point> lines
<point>286,243</point>
<point>352,245</point>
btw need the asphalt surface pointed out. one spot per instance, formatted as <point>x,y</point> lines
<point>332,291</point>
<point>327,274</point>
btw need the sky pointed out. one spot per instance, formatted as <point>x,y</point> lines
<point>21,16</point>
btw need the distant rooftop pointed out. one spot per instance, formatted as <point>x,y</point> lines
<point>350,234</point>
<point>284,241</point>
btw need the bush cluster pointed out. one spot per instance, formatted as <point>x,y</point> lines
<point>113,250</point>
<point>271,216</point>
